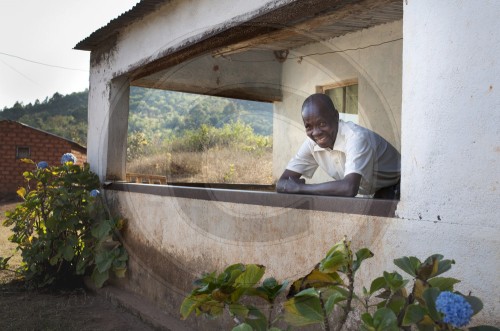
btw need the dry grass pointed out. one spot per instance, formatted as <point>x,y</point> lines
<point>217,165</point>
<point>6,247</point>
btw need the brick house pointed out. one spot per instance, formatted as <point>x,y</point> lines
<point>18,141</point>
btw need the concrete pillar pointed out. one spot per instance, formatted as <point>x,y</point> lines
<point>117,129</point>
<point>450,112</point>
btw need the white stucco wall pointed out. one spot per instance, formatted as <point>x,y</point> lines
<point>372,56</point>
<point>198,236</point>
<point>451,117</point>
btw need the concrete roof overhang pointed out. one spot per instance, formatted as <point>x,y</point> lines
<point>277,28</point>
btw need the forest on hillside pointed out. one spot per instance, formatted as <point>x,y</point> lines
<point>157,115</point>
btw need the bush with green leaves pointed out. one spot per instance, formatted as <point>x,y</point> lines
<point>432,303</point>
<point>236,134</point>
<point>62,227</point>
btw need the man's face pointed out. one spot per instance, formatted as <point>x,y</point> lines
<point>321,124</point>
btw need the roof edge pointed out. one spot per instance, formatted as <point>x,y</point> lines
<point>141,9</point>
<point>50,134</point>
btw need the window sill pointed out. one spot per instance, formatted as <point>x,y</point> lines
<point>360,206</point>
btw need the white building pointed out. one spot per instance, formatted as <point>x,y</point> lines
<point>427,79</point>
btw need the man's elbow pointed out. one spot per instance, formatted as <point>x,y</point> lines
<point>351,190</point>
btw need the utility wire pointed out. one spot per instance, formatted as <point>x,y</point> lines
<point>20,73</point>
<point>44,64</point>
<point>300,57</point>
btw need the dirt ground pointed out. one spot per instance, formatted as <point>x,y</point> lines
<point>78,309</point>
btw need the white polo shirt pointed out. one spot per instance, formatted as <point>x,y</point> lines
<point>356,150</point>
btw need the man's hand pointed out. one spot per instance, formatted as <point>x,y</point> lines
<point>288,179</point>
<point>290,185</point>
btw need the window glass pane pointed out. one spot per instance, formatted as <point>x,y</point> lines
<point>345,99</point>
<point>337,96</point>
<point>22,152</point>
<point>351,99</point>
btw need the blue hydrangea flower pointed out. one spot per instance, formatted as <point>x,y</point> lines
<point>68,157</point>
<point>94,193</point>
<point>42,165</point>
<point>457,311</point>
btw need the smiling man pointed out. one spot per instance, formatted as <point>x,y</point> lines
<point>358,160</point>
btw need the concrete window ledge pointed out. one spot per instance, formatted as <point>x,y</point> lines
<point>360,206</point>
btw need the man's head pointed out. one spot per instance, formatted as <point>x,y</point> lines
<point>321,119</point>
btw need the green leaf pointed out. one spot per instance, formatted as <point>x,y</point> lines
<point>304,309</point>
<point>103,261</point>
<point>190,303</point>
<point>361,255</point>
<point>99,277</point>
<point>334,298</point>
<point>68,252</point>
<point>333,262</point>
<point>443,283</point>
<point>394,280</point>
<point>269,290</point>
<point>256,319</point>
<point>238,310</point>
<point>4,262</point>
<point>408,264</point>
<point>430,295</point>
<point>414,314</point>
<point>243,327</point>
<point>384,319</point>
<point>310,292</point>
<point>377,284</point>
<point>475,303</point>
<point>367,319</point>
<point>102,230</point>
<point>443,266</point>
<point>53,260</point>
<point>251,276</point>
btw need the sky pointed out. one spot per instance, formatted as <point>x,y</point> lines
<point>37,38</point>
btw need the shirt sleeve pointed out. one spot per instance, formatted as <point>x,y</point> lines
<point>303,162</point>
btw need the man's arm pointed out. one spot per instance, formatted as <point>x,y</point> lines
<point>282,184</point>
<point>290,182</point>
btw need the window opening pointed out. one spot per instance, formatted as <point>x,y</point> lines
<point>22,152</point>
<point>176,137</point>
<point>345,98</point>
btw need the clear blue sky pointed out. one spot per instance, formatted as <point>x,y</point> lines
<point>46,31</point>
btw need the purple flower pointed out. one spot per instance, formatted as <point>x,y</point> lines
<point>457,311</point>
<point>42,165</point>
<point>68,157</point>
<point>94,193</point>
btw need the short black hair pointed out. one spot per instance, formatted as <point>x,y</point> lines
<point>322,98</point>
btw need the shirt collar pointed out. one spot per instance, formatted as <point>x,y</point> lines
<point>339,144</point>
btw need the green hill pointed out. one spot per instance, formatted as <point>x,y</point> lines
<point>157,114</point>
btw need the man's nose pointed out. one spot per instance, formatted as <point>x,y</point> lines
<point>316,131</point>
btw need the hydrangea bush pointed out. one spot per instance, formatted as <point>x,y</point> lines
<point>388,305</point>
<point>62,227</point>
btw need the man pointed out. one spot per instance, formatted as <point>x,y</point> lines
<point>359,160</point>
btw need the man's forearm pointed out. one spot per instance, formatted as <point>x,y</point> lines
<point>347,187</point>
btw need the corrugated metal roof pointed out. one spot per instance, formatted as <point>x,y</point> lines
<point>285,26</point>
<point>137,12</point>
